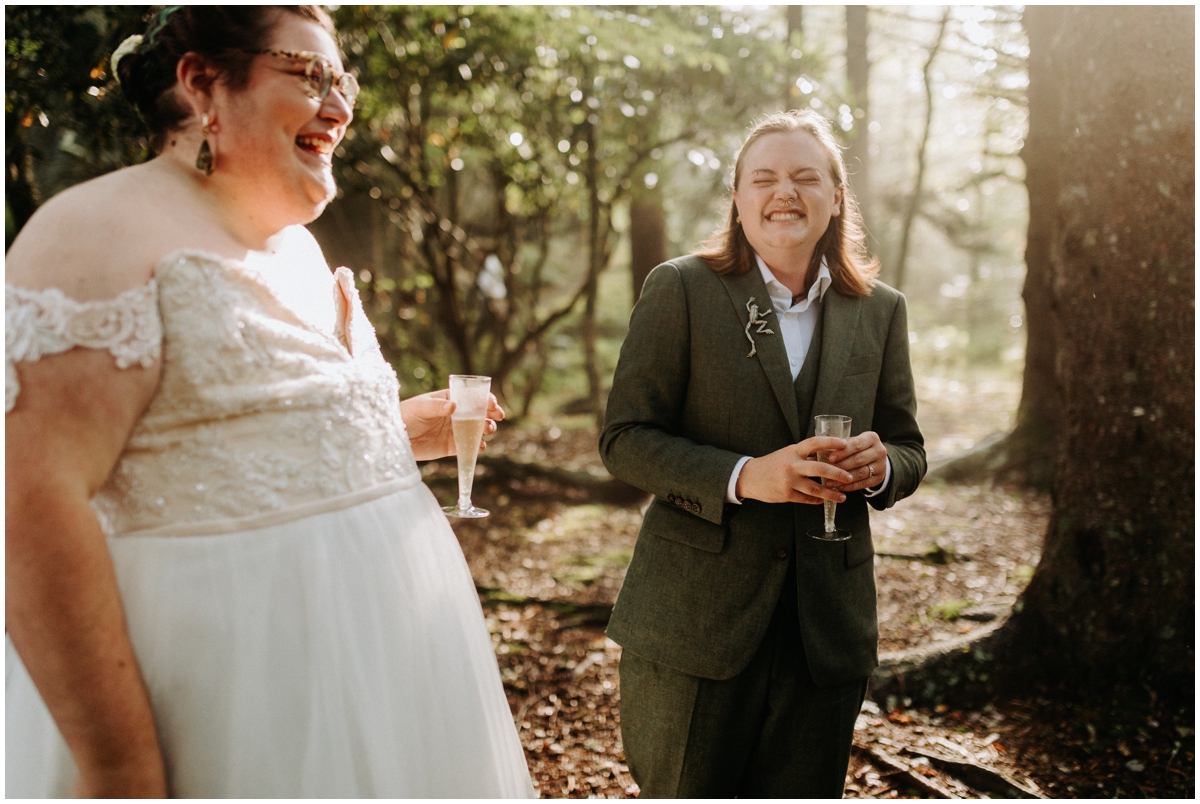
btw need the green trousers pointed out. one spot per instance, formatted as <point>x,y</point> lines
<point>768,732</point>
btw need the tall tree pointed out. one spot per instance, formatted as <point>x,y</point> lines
<point>858,73</point>
<point>1116,584</point>
<point>647,235</point>
<point>914,201</point>
<point>1111,157</point>
<point>1029,449</point>
<point>795,44</point>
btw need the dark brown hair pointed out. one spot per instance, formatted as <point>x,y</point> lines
<point>219,34</point>
<point>843,246</point>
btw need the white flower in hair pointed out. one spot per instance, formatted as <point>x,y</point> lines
<point>124,49</point>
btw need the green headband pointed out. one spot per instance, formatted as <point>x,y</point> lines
<point>134,44</point>
<point>158,25</point>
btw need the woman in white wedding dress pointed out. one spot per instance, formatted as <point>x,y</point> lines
<point>224,576</point>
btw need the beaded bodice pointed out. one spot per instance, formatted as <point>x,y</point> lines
<point>258,414</point>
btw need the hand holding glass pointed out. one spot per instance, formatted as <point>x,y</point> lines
<point>838,427</point>
<point>470,394</point>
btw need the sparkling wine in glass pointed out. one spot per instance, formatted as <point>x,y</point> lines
<point>837,427</point>
<point>470,394</point>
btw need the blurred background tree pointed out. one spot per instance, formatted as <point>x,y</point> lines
<point>63,123</point>
<point>513,173</point>
<point>507,180</point>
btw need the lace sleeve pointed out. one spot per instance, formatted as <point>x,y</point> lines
<point>45,322</point>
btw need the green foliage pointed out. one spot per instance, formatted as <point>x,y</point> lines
<point>499,143</point>
<point>487,177</point>
<point>64,117</point>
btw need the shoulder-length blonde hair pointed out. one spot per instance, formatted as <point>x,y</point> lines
<point>843,246</point>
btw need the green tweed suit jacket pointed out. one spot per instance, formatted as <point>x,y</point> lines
<point>687,403</point>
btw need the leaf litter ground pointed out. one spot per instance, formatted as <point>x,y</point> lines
<point>550,560</point>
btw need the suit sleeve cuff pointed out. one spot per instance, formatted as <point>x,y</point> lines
<point>731,489</point>
<point>887,476</point>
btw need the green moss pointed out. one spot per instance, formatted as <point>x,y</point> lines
<point>949,610</point>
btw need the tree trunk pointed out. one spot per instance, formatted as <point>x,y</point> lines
<point>1113,598</point>
<point>795,40</point>
<point>795,22</point>
<point>914,201</point>
<point>1030,447</point>
<point>591,361</point>
<point>858,71</point>
<point>1116,580</point>
<point>647,236</point>
<point>1026,455</point>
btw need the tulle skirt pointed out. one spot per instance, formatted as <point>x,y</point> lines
<point>339,655</point>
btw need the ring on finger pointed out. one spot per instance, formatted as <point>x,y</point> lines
<point>870,471</point>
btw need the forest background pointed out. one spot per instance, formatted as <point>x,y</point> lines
<point>512,174</point>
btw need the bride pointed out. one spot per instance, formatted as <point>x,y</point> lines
<point>224,576</point>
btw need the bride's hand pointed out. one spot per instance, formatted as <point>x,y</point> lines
<point>427,419</point>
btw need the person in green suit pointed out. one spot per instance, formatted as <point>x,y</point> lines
<point>748,644</point>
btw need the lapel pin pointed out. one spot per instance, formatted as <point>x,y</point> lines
<point>759,321</point>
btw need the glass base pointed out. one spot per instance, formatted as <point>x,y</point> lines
<point>466,513</point>
<point>838,535</point>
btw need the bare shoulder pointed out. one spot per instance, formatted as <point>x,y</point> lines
<point>94,240</point>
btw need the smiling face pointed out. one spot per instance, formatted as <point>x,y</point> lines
<point>274,138</point>
<point>785,197</point>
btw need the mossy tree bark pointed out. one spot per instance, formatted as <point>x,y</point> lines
<point>1112,196</point>
<point>1115,589</point>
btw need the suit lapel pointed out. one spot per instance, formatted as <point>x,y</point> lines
<point>769,349</point>
<point>839,327</point>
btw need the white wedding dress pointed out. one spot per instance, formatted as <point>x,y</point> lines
<point>300,609</point>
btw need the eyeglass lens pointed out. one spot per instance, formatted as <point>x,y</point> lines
<point>320,76</point>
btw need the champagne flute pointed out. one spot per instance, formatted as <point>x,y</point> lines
<point>470,395</point>
<point>837,427</point>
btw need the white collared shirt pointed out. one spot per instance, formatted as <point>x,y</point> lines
<point>796,324</point>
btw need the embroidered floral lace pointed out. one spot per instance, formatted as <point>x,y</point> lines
<point>258,415</point>
<point>45,322</point>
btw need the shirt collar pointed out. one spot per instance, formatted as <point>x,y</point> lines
<point>781,297</point>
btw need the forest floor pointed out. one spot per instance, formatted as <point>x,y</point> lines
<point>551,558</point>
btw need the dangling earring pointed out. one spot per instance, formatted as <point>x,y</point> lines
<point>204,159</point>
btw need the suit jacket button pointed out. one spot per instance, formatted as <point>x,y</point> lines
<point>781,554</point>
<point>697,506</point>
<point>670,498</point>
<point>680,502</point>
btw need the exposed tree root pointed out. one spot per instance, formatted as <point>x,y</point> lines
<point>978,777</point>
<point>959,670</point>
<point>1012,457</point>
<point>571,615</point>
<point>891,766</point>
<point>598,489</point>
